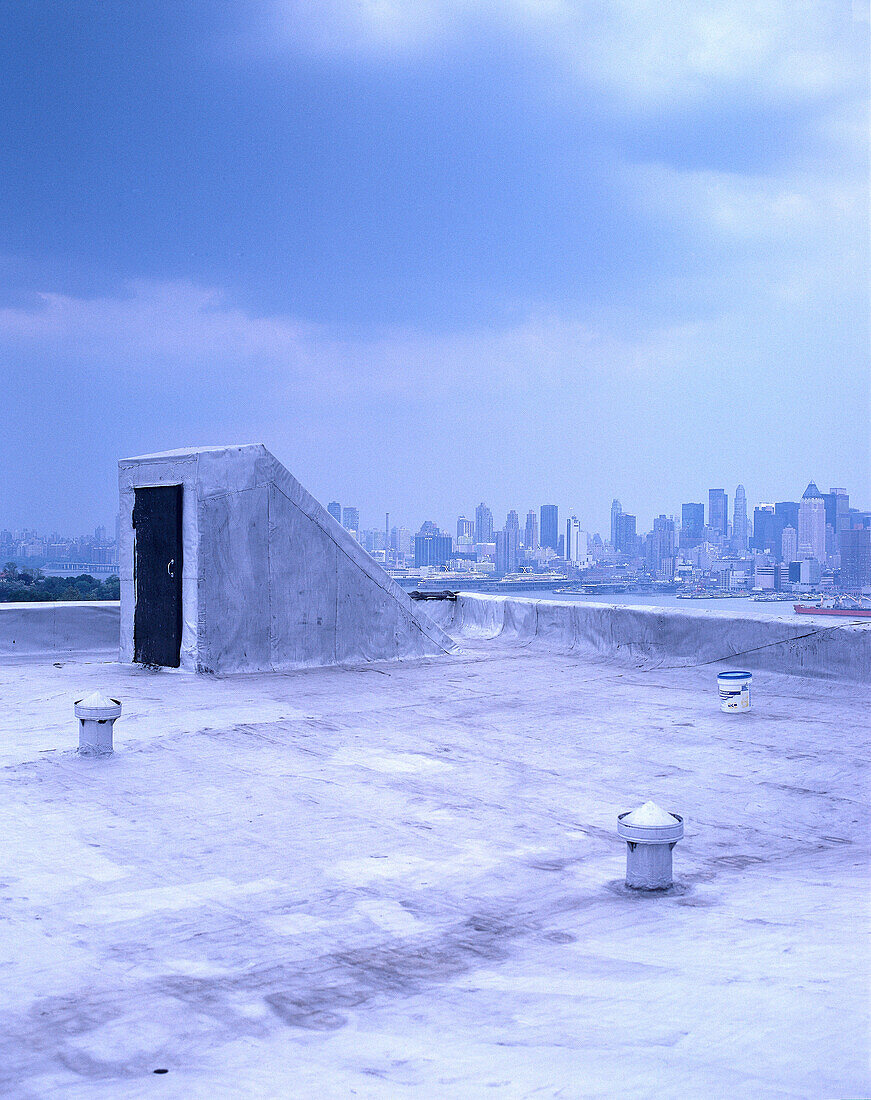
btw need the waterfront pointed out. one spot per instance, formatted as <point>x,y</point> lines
<point>743,605</point>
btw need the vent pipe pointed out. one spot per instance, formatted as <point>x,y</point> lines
<point>650,834</point>
<point>96,715</point>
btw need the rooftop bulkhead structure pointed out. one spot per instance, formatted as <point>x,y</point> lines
<point>227,564</point>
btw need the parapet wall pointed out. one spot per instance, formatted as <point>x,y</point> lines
<point>639,636</point>
<point>666,637</point>
<point>43,629</point>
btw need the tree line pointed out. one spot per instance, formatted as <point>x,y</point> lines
<point>30,586</point>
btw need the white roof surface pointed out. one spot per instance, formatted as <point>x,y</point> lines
<point>405,880</point>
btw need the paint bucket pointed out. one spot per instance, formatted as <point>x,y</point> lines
<point>734,690</point>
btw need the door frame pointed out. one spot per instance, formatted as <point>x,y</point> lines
<point>182,495</point>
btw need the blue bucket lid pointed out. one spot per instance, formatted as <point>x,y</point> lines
<point>734,675</point>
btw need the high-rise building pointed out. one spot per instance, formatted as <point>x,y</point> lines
<point>789,545</point>
<point>401,541</point>
<point>483,524</point>
<point>351,520</point>
<point>739,522</point>
<point>764,536</point>
<point>335,510</point>
<point>718,512</point>
<point>507,545</point>
<point>576,540</point>
<point>837,503</point>
<point>616,510</point>
<point>550,526</point>
<point>626,538</point>
<point>465,529</point>
<point>692,526</point>
<point>856,558</point>
<point>431,546</point>
<point>788,511</point>
<point>530,540</point>
<point>812,524</point>
<point>662,546</point>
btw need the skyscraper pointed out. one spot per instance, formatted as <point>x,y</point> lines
<point>530,540</point>
<point>483,524</point>
<point>692,527</point>
<point>837,503</point>
<point>550,526</point>
<point>576,540</point>
<point>739,521</point>
<point>431,546</point>
<point>616,510</point>
<point>335,510</point>
<point>662,547</point>
<point>718,512</point>
<point>465,528</point>
<point>789,545</point>
<point>788,510</point>
<point>351,519</point>
<point>625,535</point>
<point>507,544</point>
<point>812,524</point>
<point>856,558</point>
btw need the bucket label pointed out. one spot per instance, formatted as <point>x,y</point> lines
<point>737,698</point>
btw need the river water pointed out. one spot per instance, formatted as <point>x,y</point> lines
<point>738,604</point>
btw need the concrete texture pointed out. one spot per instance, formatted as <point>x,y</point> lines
<point>32,629</point>
<point>269,580</point>
<point>404,879</point>
<point>665,636</point>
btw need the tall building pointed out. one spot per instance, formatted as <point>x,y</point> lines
<point>789,545</point>
<point>662,547</point>
<point>764,535</point>
<point>812,524</point>
<point>465,529</point>
<point>431,546</point>
<point>401,541</point>
<point>483,524</point>
<point>530,540</point>
<point>550,526</point>
<point>576,541</point>
<point>856,558</point>
<point>335,510</point>
<point>616,510</point>
<point>837,503</point>
<point>692,525</point>
<point>739,521</point>
<point>507,545</point>
<point>351,520</point>
<point>788,511</point>
<point>626,538</point>
<point>718,511</point>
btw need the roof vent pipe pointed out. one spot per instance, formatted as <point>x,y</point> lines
<point>96,715</point>
<point>650,834</point>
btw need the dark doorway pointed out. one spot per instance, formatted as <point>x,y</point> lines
<point>157,566</point>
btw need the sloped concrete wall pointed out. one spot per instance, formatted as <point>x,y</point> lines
<point>660,637</point>
<point>270,579</point>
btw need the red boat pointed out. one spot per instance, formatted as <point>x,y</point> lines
<point>850,612</point>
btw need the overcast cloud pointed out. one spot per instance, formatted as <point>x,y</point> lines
<point>437,252</point>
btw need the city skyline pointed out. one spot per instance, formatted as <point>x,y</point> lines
<point>350,517</point>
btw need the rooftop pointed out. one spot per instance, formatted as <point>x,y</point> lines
<point>405,879</point>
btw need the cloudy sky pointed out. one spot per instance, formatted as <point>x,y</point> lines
<point>436,251</point>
